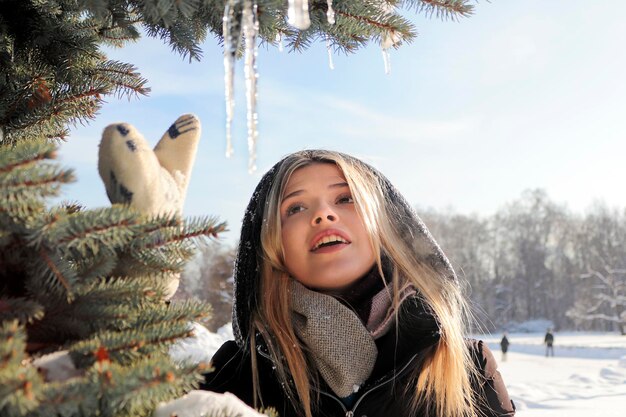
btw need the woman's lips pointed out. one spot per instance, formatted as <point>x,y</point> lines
<point>330,248</point>
<point>327,233</point>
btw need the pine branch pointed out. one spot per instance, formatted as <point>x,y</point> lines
<point>53,46</point>
<point>136,390</point>
<point>129,345</point>
<point>57,275</point>
<point>100,265</point>
<point>148,265</point>
<point>117,36</point>
<point>42,180</point>
<point>74,397</point>
<point>115,308</point>
<point>356,24</point>
<point>152,224</point>
<point>367,20</point>
<point>23,182</point>
<point>20,386</point>
<point>135,293</point>
<point>443,9</point>
<point>53,132</point>
<point>25,154</point>
<point>179,38</point>
<point>124,77</point>
<point>87,233</point>
<point>22,309</point>
<point>192,229</point>
<point>164,250</point>
<point>94,308</point>
<point>176,312</point>
<point>116,390</point>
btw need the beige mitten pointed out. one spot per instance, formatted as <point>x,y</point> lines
<point>152,181</point>
<point>202,403</point>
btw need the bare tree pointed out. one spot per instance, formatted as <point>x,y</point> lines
<point>519,262</point>
<point>209,277</point>
<point>467,241</point>
<point>607,300</point>
<point>601,296</point>
<point>529,246</point>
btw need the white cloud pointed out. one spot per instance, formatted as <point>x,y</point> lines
<point>358,121</point>
<point>390,128</point>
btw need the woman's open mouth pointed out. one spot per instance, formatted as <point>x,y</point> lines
<point>329,243</point>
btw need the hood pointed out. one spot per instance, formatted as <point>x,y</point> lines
<point>247,263</point>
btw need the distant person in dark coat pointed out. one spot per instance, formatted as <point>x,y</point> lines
<point>549,341</point>
<point>504,345</point>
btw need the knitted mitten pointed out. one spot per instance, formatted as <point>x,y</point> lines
<point>152,181</point>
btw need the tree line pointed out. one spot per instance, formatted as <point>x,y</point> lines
<point>532,259</point>
<point>535,259</point>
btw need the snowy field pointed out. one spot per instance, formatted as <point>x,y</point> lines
<point>586,378</point>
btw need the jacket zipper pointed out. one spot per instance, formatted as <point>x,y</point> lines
<point>343,407</point>
<point>350,413</point>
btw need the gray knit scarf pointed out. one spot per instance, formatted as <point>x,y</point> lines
<point>340,345</point>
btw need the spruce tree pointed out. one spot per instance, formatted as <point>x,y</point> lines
<point>92,282</point>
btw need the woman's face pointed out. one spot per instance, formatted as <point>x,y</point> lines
<point>325,242</point>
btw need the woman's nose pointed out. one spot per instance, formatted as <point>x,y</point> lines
<point>324,214</point>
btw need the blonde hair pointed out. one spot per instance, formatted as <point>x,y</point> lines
<point>442,384</point>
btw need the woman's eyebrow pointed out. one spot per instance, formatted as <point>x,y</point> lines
<point>292,194</point>
<point>338,185</point>
<point>301,191</point>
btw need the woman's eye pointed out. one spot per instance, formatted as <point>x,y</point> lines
<point>345,199</point>
<point>293,209</point>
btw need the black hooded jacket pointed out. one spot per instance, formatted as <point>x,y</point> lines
<point>400,351</point>
<point>383,394</point>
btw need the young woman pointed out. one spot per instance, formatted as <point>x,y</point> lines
<point>346,306</point>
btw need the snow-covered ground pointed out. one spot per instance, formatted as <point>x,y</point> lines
<point>585,378</point>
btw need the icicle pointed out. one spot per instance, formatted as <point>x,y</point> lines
<point>250,31</point>
<point>389,38</point>
<point>392,38</point>
<point>298,14</point>
<point>279,40</point>
<point>387,61</point>
<point>330,14</point>
<point>231,27</point>
<point>330,54</point>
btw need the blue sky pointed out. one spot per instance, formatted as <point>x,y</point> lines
<point>523,94</point>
